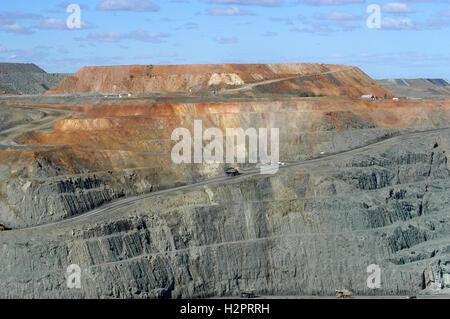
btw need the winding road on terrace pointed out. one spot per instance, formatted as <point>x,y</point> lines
<point>252,85</point>
<point>249,173</point>
<point>50,118</point>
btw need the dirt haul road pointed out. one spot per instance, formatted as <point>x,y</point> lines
<point>245,174</point>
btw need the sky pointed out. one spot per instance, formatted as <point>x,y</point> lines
<point>410,40</point>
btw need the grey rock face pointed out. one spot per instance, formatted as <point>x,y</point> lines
<point>26,78</point>
<point>436,276</point>
<point>418,88</point>
<point>11,117</point>
<point>39,201</point>
<point>29,83</point>
<point>308,230</point>
<point>9,68</point>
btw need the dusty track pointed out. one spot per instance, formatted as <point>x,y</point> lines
<point>51,117</point>
<point>252,85</point>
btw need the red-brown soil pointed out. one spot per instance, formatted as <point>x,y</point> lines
<point>105,134</point>
<point>319,79</point>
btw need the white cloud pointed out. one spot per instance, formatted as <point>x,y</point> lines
<point>225,40</point>
<point>261,3</point>
<point>11,17</point>
<point>337,16</point>
<point>125,5</point>
<point>397,24</point>
<point>52,23</point>
<point>105,37</point>
<point>396,8</point>
<point>331,2</point>
<point>115,37</point>
<point>64,5</point>
<point>317,28</point>
<point>332,22</point>
<point>28,56</point>
<point>15,28</point>
<point>147,36</point>
<point>287,21</point>
<point>269,34</point>
<point>188,26</point>
<point>230,11</point>
<point>8,22</point>
<point>437,24</point>
<point>59,24</point>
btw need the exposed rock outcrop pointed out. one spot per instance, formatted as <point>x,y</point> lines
<point>18,78</point>
<point>376,193</point>
<point>325,79</point>
<point>418,88</point>
<point>308,230</point>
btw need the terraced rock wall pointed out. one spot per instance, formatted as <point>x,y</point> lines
<point>306,231</point>
<point>325,79</point>
<point>111,152</point>
<point>310,229</point>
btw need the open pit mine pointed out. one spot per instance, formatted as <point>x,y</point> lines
<point>88,186</point>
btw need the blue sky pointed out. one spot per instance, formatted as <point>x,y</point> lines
<point>413,40</point>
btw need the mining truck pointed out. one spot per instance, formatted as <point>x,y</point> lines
<point>231,171</point>
<point>248,293</point>
<point>343,293</point>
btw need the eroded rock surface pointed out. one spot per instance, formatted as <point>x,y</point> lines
<point>83,180</point>
<point>308,230</point>
<point>317,79</point>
